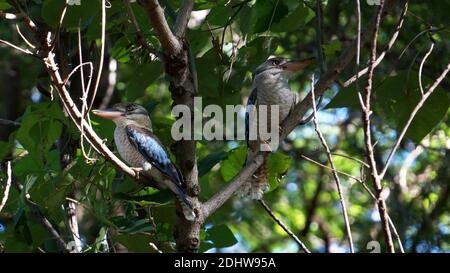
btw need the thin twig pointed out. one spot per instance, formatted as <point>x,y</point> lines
<point>333,169</point>
<point>411,117</point>
<point>384,52</point>
<point>102,57</point>
<point>84,106</point>
<point>139,35</point>
<point>155,248</point>
<point>352,158</point>
<point>283,226</point>
<point>42,219</point>
<point>7,186</point>
<point>24,38</point>
<point>112,79</point>
<point>26,51</point>
<point>9,122</point>
<point>421,67</point>
<point>365,106</point>
<point>58,27</point>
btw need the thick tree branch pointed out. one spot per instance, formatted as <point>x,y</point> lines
<point>217,200</point>
<point>168,40</point>
<point>183,18</point>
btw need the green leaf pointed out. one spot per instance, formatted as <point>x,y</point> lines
<point>396,97</point>
<point>155,198</point>
<point>219,15</point>
<point>121,50</point>
<point>268,13</point>
<point>221,236</point>
<point>4,5</point>
<point>76,14</point>
<point>100,241</point>
<point>141,225</point>
<point>231,166</point>
<point>206,163</point>
<point>294,20</point>
<point>347,97</point>
<point>278,164</point>
<point>144,75</point>
<point>138,243</point>
<point>332,48</point>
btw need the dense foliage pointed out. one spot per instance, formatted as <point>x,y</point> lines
<point>227,40</point>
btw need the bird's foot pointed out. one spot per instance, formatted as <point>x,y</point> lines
<point>137,170</point>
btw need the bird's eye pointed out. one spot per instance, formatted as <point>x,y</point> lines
<point>130,108</point>
<point>275,62</point>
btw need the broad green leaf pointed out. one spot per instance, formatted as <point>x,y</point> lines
<point>396,100</point>
<point>219,15</point>
<point>332,48</point>
<point>278,164</point>
<point>144,75</point>
<point>268,13</point>
<point>235,162</point>
<point>294,20</point>
<point>76,14</point>
<point>141,225</point>
<point>221,236</point>
<point>206,163</point>
<point>137,243</point>
<point>4,5</point>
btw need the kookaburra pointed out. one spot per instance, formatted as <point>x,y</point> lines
<point>270,87</point>
<point>143,151</point>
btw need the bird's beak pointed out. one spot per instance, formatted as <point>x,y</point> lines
<point>108,113</point>
<point>294,66</point>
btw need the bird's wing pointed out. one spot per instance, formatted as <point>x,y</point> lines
<point>251,101</point>
<point>153,151</point>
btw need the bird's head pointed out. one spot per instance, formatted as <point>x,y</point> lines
<point>126,113</point>
<point>278,66</point>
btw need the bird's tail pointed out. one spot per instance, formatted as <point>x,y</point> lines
<point>258,183</point>
<point>186,205</point>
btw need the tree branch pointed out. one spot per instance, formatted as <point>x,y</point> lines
<point>7,186</point>
<point>283,226</point>
<point>217,200</point>
<point>385,51</point>
<point>333,169</point>
<point>366,109</point>
<point>41,218</point>
<point>168,40</point>
<point>416,109</point>
<point>183,18</point>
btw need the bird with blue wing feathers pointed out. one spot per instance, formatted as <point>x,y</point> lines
<point>270,87</point>
<point>143,151</point>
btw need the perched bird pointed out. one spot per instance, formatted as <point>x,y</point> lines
<point>270,87</point>
<point>143,151</point>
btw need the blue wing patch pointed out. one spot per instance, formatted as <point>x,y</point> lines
<point>251,101</point>
<point>153,151</point>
